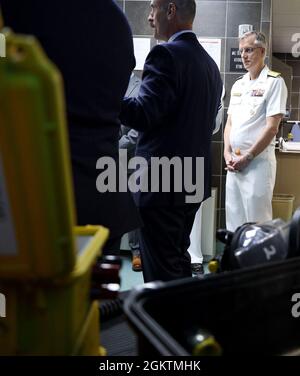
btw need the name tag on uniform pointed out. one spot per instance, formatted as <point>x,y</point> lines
<point>236,94</point>
<point>257,93</point>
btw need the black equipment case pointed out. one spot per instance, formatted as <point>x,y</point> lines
<point>248,311</point>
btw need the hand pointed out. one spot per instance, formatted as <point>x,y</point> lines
<point>229,161</point>
<point>240,162</point>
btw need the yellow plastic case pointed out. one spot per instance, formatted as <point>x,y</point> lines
<point>36,195</point>
<point>88,340</point>
<point>47,318</point>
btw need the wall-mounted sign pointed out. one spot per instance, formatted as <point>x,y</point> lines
<point>236,64</point>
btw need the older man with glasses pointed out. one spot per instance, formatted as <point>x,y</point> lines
<point>257,104</point>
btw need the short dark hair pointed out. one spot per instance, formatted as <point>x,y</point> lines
<point>186,9</point>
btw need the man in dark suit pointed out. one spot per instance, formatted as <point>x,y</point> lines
<point>91,44</point>
<point>175,114</point>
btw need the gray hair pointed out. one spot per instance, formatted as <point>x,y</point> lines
<point>260,38</point>
<point>186,9</point>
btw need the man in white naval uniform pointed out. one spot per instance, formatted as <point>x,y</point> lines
<point>257,104</point>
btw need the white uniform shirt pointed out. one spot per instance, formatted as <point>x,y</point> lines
<point>251,102</point>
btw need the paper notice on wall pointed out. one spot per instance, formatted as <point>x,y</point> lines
<point>213,48</point>
<point>8,242</point>
<point>141,49</point>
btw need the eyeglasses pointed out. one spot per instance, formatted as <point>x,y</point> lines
<point>248,50</point>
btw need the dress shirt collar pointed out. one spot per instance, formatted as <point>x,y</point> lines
<point>262,76</point>
<point>174,36</point>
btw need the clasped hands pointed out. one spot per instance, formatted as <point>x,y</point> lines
<point>236,163</point>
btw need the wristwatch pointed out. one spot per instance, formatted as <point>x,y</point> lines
<point>249,156</point>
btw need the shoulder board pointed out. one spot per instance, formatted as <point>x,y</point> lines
<point>274,74</point>
<point>239,78</point>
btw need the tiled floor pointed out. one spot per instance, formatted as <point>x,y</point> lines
<point>129,278</point>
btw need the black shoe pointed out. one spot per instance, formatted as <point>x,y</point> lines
<point>197,268</point>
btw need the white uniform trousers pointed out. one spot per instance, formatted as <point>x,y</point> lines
<point>195,239</point>
<point>249,192</point>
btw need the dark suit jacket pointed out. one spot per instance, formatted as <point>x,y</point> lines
<point>91,44</point>
<point>176,109</point>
